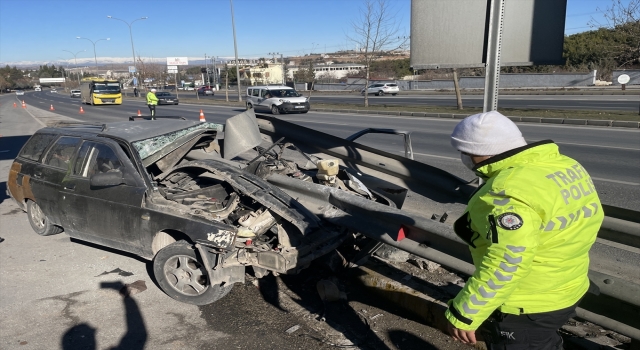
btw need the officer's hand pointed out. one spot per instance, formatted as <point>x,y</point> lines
<point>467,337</point>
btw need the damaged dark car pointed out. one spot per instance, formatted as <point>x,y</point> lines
<point>204,207</point>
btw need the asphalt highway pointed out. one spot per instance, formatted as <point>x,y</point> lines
<point>567,102</point>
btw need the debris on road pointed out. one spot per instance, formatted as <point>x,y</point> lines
<point>292,329</point>
<point>134,288</point>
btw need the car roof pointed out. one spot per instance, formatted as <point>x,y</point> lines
<point>131,131</point>
<point>271,87</point>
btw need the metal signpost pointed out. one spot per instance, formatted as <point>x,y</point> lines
<point>172,67</point>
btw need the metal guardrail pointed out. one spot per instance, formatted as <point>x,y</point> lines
<point>617,305</point>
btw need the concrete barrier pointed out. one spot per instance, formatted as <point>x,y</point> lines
<point>598,122</point>
<point>625,124</point>
<point>552,120</point>
<point>575,121</point>
<point>531,119</point>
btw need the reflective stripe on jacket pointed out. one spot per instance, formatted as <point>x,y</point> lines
<point>529,229</point>
<point>151,98</point>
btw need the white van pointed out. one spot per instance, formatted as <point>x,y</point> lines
<point>276,99</point>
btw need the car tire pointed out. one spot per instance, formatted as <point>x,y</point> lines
<point>176,103</point>
<point>380,93</point>
<point>249,106</point>
<point>182,276</point>
<point>40,223</point>
<point>393,94</point>
<point>275,110</point>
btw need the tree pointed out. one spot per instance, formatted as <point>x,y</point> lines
<point>374,32</point>
<point>622,26</point>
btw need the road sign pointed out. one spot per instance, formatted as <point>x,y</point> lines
<point>177,61</point>
<point>453,34</point>
<point>172,70</point>
<point>172,67</point>
<point>132,69</point>
<point>623,79</point>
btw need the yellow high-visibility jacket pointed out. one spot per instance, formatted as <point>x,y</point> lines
<point>152,99</point>
<point>529,229</point>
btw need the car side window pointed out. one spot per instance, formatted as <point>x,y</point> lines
<point>256,92</point>
<point>249,92</point>
<point>96,158</point>
<point>263,92</point>
<point>61,152</point>
<point>36,145</point>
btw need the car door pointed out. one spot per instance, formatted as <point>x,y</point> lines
<point>56,165</point>
<point>26,174</point>
<point>106,215</point>
<point>263,101</point>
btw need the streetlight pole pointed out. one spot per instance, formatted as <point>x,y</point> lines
<point>75,60</point>
<point>133,52</point>
<point>95,56</point>
<point>235,47</point>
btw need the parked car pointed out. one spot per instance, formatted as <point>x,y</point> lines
<point>37,88</point>
<point>75,93</point>
<point>276,99</point>
<point>205,91</point>
<point>54,91</point>
<point>19,92</point>
<point>166,98</point>
<point>382,88</point>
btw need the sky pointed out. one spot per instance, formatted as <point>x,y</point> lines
<point>39,31</point>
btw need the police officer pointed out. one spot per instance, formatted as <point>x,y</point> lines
<point>152,102</point>
<point>529,229</point>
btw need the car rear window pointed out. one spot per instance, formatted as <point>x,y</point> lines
<point>392,84</point>
<point>36,145</point>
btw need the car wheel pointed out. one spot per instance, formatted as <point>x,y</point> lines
<point>249,106</point>
<point>380,93</point>
<point>275,110</point>
<point>182,276</point>
<point>393,94</point>
<point>176,103</point>
<point>40,222</point>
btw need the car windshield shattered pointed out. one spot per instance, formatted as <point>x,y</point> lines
<point>151,146</point>
<point>283,93</point>
<point>106,87</point>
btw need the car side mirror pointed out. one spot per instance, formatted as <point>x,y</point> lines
<point>108,179</point>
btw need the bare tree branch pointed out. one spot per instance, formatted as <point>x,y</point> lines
<point>375,31</point>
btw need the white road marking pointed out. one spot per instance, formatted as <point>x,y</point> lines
<point>433,156</point>
<point>616,181</point>
<point>599,146</point>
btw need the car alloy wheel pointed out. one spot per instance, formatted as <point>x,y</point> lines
<point>275,110</point>
<point>39,221</point>
<point>182,275</point>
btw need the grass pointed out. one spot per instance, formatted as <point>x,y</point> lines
<point>541,113</point>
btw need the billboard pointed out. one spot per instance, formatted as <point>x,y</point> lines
<point>177,61</point>
<point>51,80</point>
<point>453,34</point>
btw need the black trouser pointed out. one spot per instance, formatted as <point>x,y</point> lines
<point>527,331</point>
<point>152,108</point>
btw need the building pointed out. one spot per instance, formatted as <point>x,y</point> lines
<point>263,74</point>
<point>329,70</point>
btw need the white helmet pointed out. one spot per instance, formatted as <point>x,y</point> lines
<point>153,90</point>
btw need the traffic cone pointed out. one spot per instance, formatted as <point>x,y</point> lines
<point>202,120</point>
<point>139,114</point>
<point>24,105</point>
<point>15,105</point>
<point>51,108</point>
<point>81,110</point>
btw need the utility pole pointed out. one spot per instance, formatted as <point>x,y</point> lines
<point>284,78</point>
<point>75,60</point>
<point>95,56</point>
<point>133,52</point>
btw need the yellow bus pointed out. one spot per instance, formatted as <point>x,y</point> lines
<point>100,91</point>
